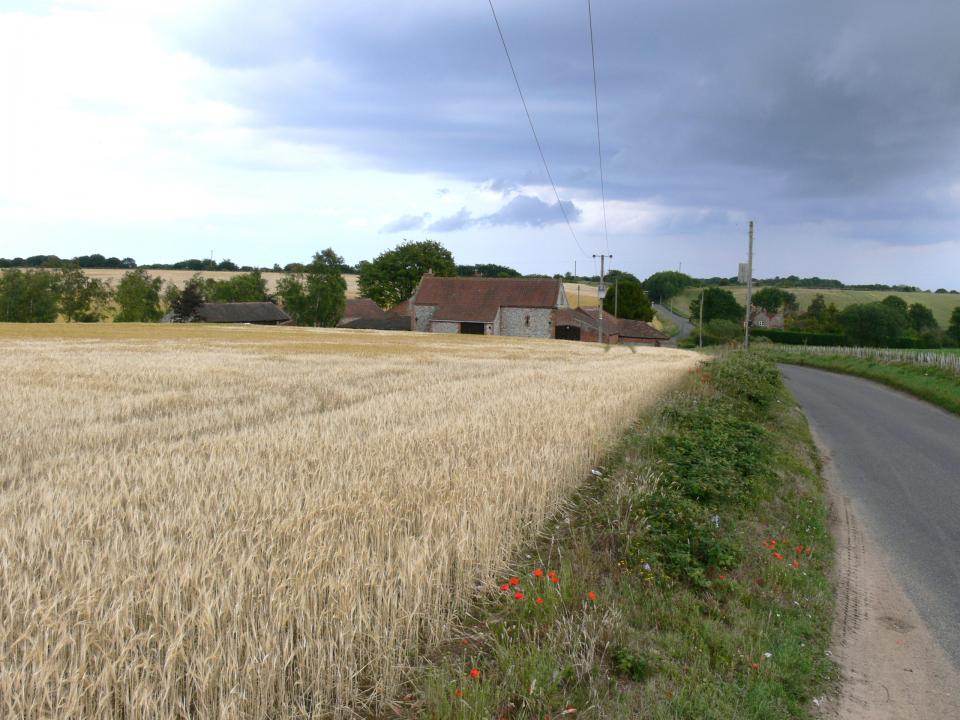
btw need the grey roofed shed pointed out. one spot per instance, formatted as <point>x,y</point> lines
<point>259,313</point>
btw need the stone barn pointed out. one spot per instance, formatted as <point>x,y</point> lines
<point>521,307</point>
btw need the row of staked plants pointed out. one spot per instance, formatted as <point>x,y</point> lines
<point>687,580</point>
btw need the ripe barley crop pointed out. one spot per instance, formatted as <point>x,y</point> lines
<point>273,523</point>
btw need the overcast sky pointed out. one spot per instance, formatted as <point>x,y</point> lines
<point>263,131</point>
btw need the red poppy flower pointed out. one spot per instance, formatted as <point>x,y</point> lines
<point>466,642</point>
<point>514,581</point>
<point>592,595</point>
<point>475,674</point>
<point>538,573</point>
<point>505,587</point>
<point>518,595</point>
<point>554,579</point>
<point>799,549</point>
<point>778,556</point>
<point>796,564</point>
<point>755,666</point>
<point>539,601</point>
<point>722,577</point>
<point>458,692</point>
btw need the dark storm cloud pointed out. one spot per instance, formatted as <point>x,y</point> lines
<point>521,211</point>
<point>848,112</point>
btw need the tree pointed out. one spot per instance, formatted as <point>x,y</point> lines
<point>248,287</point>
<point>666,284</point>
<point>774,299</point>
<point>718,304</point>
<point>81,298</point>
<point>393,275</point>
<point>188,300</point>
<point>28,296</point>
<point>922,319</point>
<point>628,300</point>
<point>953,329</point>
<point>487,270</point>
<point>318,296</point>
<point>138,296</point>
<point>817,308</point>
<point>873,324</point>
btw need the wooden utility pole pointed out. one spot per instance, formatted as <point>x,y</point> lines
<point>702,291</point>
<point>601,294</point>
<point>746,327</point>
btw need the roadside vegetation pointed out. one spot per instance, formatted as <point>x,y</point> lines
<point>689,579</point>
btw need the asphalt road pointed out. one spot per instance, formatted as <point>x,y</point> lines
<point>681,322</point>
<point>898,458</point>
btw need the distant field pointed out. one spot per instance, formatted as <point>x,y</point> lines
<point>180,277</point>
<point>580,295</point>
<point>247,522</point>
<point>941,305</point>
<point>577,294</point>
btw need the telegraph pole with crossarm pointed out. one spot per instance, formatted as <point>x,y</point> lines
<point>601,293</point>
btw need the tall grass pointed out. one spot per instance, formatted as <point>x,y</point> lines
<point>274,523</point>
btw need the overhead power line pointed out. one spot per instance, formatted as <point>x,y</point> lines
<point>596,107</point>
<point>533,129</point>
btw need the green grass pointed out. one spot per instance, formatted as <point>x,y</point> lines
<point>941,305</point>
<point>940,387</point>
<point>674,541</point>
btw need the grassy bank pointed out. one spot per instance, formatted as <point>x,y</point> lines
<point>688,580</point>
<point>940,387</point>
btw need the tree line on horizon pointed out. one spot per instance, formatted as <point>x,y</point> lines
<point>890,322</point>
<point>312,293</point>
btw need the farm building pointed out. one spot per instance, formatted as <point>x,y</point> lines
<point>521,307</point>
<point>621,330</point>
<point>255,313</point>
<point>760,318</point>
<point>363,309</point>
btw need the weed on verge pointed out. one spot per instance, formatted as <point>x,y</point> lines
<point>688,580</point>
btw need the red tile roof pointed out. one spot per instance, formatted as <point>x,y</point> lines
<point>362,308</point>
<point>639,330</point>
<point>636,329</point>
<point>478,299</point>
<point>575,316</point>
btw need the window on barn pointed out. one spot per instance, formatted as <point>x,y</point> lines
<point>526,321</point>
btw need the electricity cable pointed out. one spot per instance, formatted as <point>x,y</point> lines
<point>533,129</point>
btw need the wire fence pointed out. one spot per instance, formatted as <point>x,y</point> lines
<point>929,358</point>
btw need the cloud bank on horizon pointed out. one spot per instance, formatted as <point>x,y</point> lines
<point>262,132</point>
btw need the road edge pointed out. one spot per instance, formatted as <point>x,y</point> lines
<point>890,664</point>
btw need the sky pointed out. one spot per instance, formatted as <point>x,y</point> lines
<point>263,132</point>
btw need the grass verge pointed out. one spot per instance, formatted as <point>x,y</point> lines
<point>688,580</point>
<point>940,387</point>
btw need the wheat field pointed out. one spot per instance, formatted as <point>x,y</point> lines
<point>243,522</point>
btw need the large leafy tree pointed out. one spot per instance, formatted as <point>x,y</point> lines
<point>186,303</point>
<point>873,324</point>
<point>922,319</point>
<point>28,296</point>
<point>318,295</point>
<point>667,283</point>
<point>392,276</point>
<point>138,296</point>
<point>774,299</point>
<point>248,287</point>
<point>718,304</point>
<point>953,329</point>
<point>82,298</point>
<point>626,299</point>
